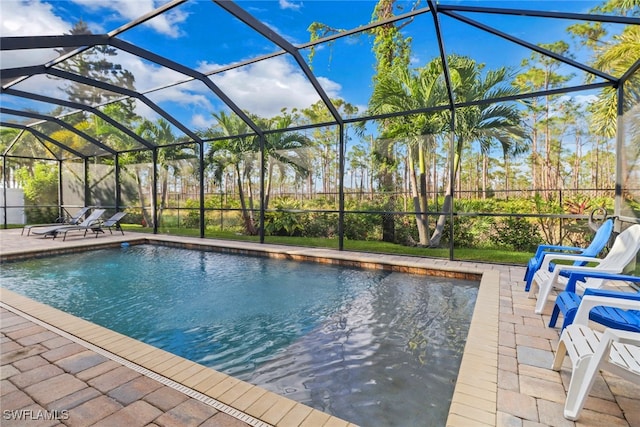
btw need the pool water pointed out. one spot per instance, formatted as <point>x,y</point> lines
<point>369,346</point>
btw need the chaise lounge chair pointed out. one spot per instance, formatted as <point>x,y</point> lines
<point>590,351</point>
<point>73,220</point>
<point>610,308</point>
<point>600,239</point>
<point>622,252</point>
<point>113,222</point>
<point>88,224</point>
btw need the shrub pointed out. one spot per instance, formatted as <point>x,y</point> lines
<point>321,224</point>
<point>42,215</point>
<point>516,233</point>
<point>283,221</point>
<point>406,230</point>
<point>192,218</point>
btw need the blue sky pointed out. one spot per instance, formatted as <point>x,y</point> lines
<point>199,34</point>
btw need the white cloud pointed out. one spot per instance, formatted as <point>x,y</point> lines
<point>198,121</point>
<point>285,4</point>
<point>166,23</point>
<point>579,100</point>
<point>586,99</point>
<point>264,88</point>
<point>28,18</point>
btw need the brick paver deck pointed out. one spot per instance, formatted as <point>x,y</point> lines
<point>53,379</point>
<point>49,380</point>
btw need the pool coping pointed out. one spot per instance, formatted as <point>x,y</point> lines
<point>474,399</point>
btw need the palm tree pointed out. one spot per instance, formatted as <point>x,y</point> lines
<point>285,150</point>
<point>616,58</point>
<point>404,90</point>
<point>614,55</point>
<point>239,151</point>
<point>484,123</point>
<point>169,154</point>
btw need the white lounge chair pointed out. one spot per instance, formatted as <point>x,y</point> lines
<point>590,351</point>
<point>624,249</point>
<point>73,220</point>
<point>86,225</point>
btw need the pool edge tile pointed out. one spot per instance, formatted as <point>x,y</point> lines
<point>479,365</point>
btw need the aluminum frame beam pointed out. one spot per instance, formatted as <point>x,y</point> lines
<point>58,122</point>
<point>150,56</point>
<point>80,107</point>
<point>542,14</point>
<point>46,137</point>
<point>44,42</point>
<point>123,91</point>
<point>280,41</point>
<point>531,46</point>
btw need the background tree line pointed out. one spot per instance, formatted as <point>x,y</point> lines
<point>411,163</point>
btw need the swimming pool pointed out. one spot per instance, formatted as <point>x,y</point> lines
<point>361,344</point>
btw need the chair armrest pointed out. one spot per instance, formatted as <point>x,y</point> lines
<point>576,275</point>
<point>590,301</point>
<point>557,257</point>
<point>623,337</point>
<point>543,249</point>
<point>569,269</point>
<point>612,294</point>
<point>603,275</point>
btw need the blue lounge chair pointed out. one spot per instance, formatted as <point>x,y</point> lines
<point>613,309</point>
<point>88,224</point>
<point>598,243</point>
<point>73,220</point>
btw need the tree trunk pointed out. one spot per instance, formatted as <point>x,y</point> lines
<point>267,191</point>
<point>164,189</point>
<point>417,201</point>
<point>485,166</point>
<point>576,164</point>
<point>447,207</point>
<point>507,176</point>
<point>247,218</point>
<point>145,216</point>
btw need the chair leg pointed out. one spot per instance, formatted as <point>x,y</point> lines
<point>532,267</point>
<point>532,288</point>
<point>554,316</point>
<point>566,303</point>
<point>527,279</point>
<point>561,352</point>
<point>543,295</point>
<point>582,379</point>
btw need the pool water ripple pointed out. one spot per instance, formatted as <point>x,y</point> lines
<point>363,345</point>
